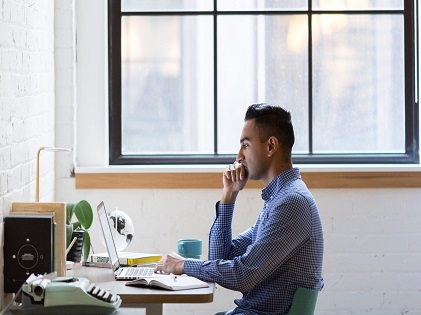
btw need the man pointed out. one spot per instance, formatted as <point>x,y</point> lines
<point>284,249</point>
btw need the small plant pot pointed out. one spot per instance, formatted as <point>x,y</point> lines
<point>75,253</point>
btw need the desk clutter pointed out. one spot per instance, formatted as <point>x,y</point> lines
<point>35,270</point>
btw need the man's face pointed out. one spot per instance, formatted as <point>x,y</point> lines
<point>253,153</point>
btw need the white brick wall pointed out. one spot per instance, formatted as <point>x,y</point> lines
<point>372,256</point>
<point>26,101</point>
<point>65,82</point>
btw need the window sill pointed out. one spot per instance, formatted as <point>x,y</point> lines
<point>201,177</point>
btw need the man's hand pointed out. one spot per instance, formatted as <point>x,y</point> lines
<point>172,263</point>
<point>234,178</point>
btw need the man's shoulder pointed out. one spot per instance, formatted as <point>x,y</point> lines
<point>295,194</point>
<point>295,197</point>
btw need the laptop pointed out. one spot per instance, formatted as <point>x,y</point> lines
<point>120,272</point>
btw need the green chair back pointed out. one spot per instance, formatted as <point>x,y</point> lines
<point>304,302</point>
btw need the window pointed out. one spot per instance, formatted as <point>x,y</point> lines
<point>182,73</point>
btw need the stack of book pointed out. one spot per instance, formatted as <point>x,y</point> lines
<point>125,259</point>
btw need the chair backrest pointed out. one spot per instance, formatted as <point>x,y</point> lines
<point>304,302</point>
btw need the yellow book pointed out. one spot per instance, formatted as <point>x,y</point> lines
<point>127,258</point>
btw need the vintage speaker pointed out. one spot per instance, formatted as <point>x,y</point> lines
<point>28,248</point>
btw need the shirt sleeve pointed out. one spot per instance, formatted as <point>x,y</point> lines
<point>221,244</point>
<point>280,232</point>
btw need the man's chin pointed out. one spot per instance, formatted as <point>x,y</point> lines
<point>250,176</point>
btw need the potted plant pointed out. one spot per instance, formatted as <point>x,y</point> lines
<point>79,229</point>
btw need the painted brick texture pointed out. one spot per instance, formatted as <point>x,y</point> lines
<point>26,101</point>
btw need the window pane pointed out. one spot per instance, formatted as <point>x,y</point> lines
<point>358,4</point>
<point>166,5</point>
<point>167,80</point>
<point>358,82</point>
<point>256,5</point>
<point>261,59</point>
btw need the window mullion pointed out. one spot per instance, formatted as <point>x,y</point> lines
<point>215,77</point>
<point>310,79</point>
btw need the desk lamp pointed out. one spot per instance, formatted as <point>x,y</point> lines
<point>51,149</point>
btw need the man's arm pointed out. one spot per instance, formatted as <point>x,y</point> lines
<point>221,244</point>
<point>283,232</point>
<point>234,178</point>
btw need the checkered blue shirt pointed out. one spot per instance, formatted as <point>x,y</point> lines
<point>270,260</point>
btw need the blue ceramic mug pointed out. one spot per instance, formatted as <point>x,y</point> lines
<point>190,248</point>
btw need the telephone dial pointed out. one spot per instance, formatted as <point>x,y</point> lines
<point>66,295</point>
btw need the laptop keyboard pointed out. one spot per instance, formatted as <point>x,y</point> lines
<point>140,272</point>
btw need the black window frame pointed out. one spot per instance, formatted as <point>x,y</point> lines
<point>411,155</point>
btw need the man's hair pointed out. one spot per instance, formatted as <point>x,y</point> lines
<point>272,121</point>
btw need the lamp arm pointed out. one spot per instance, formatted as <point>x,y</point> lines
<point>37,177</point>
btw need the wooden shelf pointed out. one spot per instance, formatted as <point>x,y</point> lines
<point>214,180</point>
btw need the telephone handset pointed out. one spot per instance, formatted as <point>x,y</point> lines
<point>66,295</point>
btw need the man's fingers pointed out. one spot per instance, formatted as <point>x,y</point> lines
<point>235,172</point>
<point>171,263</point>
<point>159,267</point>
<point>239,171</point>
<point>227,172</point>
<point>175,255</point>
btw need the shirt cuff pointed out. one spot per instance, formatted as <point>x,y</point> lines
<point>224,207</point>
<point>192,267</point>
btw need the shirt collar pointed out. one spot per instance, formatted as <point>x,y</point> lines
<point>279,181</point>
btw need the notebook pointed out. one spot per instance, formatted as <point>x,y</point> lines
<point>121,273</point>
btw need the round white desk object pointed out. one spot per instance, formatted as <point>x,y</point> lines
<point>69,265</point>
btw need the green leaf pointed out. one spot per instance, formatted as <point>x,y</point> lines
<point>83,212</point>
<point>76,226</point>
<point>70,208</point>
<point>86,246</point>
<point>69,232</point>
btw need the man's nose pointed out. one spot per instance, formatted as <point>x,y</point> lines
<point>240,157</point>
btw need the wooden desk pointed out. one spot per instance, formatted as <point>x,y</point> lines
<point>150,299</point>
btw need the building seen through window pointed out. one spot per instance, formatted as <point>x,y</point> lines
<point>185,72</point>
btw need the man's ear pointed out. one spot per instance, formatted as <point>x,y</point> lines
<point>272,146</point>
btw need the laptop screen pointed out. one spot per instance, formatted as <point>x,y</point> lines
<point>108,236</point>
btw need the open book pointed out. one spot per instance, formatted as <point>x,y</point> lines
<point>169,282</point>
